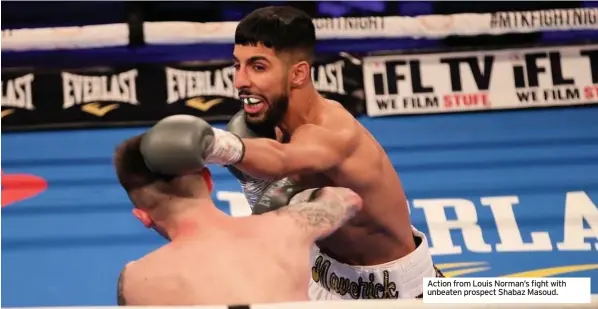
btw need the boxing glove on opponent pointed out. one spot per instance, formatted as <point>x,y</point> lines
<point>182,144</point>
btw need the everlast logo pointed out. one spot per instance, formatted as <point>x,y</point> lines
<point>360,289</point>
<point>17,93</point>
<point>182,85</point>
<point>329,77</point>
<point>89,91</point>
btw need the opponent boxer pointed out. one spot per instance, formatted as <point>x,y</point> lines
<point>213,258</point>
<point>378,254</point>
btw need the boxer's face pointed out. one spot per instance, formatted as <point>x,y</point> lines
<point>262,80</point>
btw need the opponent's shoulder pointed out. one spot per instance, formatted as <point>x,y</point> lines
<point>141,266</point>
<point>132,277</point>
<point>124,276</point>
<point>130,271</point>
<point>279,227</point>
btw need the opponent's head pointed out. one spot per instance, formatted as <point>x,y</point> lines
<point>274,50</point>
<point>156,198</point>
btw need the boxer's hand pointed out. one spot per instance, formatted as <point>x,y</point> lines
<point>238,126</point>
<point>252,187</point>
<point>281,193</point>
<point>181,144</point>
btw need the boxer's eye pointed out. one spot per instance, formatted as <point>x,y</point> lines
<point>259,68</point>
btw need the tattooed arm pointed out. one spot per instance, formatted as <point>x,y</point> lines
<point>324,214</point>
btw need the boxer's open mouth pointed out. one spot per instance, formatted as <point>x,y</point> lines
<point>252,105</point>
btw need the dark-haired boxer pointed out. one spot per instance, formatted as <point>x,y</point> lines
<point>377,254</point>
<point>211,258</point>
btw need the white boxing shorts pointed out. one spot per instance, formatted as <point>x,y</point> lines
<point>402,278</point>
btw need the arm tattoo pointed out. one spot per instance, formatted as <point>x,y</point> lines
<point>120,295</point>
<point>318,214</point>
<point>326,213</point>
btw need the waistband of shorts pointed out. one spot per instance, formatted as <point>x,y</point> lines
<point>402,278</point>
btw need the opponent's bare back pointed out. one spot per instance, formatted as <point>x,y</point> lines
<point>382,231</point>
<point>257,259</point>
<point>245,263</point>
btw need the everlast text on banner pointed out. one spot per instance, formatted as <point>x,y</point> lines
<point>69,98</point>
<point>106,96</point>
<point>207,91</point>
<point>204,90</point>
<point>116,97</point>
<point>17,94</point>
<point>481,80</point>
<point>29,99</point>
<point>101,95</point>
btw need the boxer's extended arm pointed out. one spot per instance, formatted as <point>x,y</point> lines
<point>325,214</point>
<point>312,149</point>
<point>182,144</point>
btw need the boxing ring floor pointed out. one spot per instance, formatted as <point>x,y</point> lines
<point>66,245</point>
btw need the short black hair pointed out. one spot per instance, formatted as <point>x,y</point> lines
<point>149,190</point>
<point>282,28</point>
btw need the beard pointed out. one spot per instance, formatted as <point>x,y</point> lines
<point>273,116</point>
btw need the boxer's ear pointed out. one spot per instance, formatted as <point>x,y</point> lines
<point>143,216</point>
<point>301,74</point>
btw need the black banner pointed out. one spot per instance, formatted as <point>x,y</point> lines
<point>141,95</point>
<point>341,79</point>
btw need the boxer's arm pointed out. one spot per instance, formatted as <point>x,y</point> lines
<point>322,216</point>
<point>312,149</point>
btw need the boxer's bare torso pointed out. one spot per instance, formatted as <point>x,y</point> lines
<point>381,232</point>
<point>249,261</point>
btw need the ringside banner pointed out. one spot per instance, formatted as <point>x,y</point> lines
<point>108,96</point>
<point>481,80</point>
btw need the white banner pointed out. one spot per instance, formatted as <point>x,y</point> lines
<point>481,80</point>
<point>425,26</point>
<point>65,37</point>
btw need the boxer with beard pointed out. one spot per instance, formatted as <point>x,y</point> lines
<point>289,134</point>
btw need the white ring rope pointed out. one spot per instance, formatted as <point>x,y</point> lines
<point>425,26</point>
